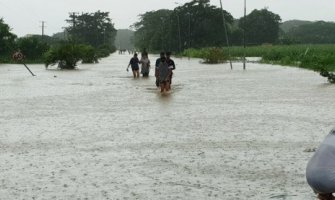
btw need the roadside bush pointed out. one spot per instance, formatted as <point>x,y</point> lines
<point>210,55</point>
<point>102,53</point>
<point>67,55</point>
<point>32,48</point>
<point>320,58</point>
<point>214,55</point>
<point>89,54</point>
<point>105,50</point>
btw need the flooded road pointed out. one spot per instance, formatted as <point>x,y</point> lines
<point>96,133</point>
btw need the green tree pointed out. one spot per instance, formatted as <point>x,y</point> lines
<point>193,25</point>
<point>313,33</point>
<point>67,55</point>
<point>6,39</point>
<point>261,26</point>
<point>32,47</point>
<point>203,25</point>
<point>151,30</point>
<point>95,29</point>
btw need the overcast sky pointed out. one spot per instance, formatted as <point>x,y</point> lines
<point>25,16</point>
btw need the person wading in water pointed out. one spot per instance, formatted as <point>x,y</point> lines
<point>158,61</point>
<point>164,75</point>
<point>145,64</point>
<point>171,65</point>
<point>134,63</point>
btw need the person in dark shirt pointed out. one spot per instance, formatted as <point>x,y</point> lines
<point>134,63</point>
<point>171,65</point>
<point>158,61</point>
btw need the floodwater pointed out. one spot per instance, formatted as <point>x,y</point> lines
<point>97,133</point>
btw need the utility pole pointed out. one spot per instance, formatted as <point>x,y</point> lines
<point>226,34</point>
<point>43,26</point>
<point>244,30</point>
<point>179,34</point>
<point>189,30</point>
<point>104,36</point>
<point>73,16</point>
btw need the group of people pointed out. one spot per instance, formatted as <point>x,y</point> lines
<point>164,67</point>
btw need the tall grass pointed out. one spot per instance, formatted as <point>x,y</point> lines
<point>210,55</point>
<point>313,57</point>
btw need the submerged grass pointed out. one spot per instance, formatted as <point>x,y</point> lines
<point>313,57</point>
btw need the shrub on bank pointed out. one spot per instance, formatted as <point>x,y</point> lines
<point>215,55</point>
<point>210,55</point>
<point>320,58</point>
<point>66,56</point>
<point>89,54</point>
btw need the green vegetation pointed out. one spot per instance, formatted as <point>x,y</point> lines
<point>290,24</point>
<point>7,40</point>
<point>68,55</point>
<point>210,55</point>
<point>33,48</point>
<point>313,33</point>
<point>319,58</point>
<point>95,29</point>
<point>90,36</point>
<point>261,26</point>
<point>196,24</point>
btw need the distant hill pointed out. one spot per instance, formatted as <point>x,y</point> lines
<point>288,25</point>
<point>319,32</point>
<point>123,39</point>
<point>60,35</point>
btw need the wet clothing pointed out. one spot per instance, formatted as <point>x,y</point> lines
<point>164,72</point>
<point>145,67</point>
<point>158,61</point>
<point>172,66</point>
<point>320,172</point>
<point>134,63</point>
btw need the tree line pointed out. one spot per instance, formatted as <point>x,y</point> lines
<point>197,24</point>
<point>88,37</point>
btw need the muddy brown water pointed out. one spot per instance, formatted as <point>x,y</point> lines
<point>96,133</point>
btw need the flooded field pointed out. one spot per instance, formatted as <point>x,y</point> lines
<point>96,133</point>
